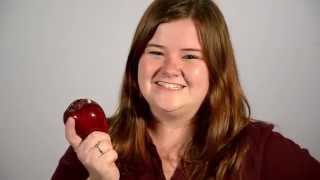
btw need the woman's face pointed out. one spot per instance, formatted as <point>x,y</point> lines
<point>172,74</point>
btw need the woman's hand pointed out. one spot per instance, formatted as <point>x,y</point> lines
<point>95,152</point>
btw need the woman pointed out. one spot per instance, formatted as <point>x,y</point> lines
<point>182,112</point>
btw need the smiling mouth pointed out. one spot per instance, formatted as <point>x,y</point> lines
<point>171,86</point>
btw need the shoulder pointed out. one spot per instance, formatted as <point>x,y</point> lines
<point>277,157</point>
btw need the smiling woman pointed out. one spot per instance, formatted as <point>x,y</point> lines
<point>182,112</point>
<point>172,75</point>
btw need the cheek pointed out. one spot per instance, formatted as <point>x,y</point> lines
<point>144,73</point>
<point>199,76</point>
<point>141,73</point>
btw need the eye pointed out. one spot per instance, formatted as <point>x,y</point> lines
<point>190,56</point>
<point>156,53</point>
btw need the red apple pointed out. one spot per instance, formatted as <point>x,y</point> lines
<point>88,115</point>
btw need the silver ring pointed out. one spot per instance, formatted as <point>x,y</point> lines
<point>98,147</point>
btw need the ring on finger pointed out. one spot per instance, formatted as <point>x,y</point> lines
<point>99,148</point>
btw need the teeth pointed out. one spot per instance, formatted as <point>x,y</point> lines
<point>170,85</point>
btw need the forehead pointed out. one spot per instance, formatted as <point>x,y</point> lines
<point>177,34</point>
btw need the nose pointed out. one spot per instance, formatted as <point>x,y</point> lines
<point>171,67</point>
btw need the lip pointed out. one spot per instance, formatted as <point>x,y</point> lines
<point>170,85</point>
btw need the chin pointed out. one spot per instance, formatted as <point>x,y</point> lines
<point>169,109</point>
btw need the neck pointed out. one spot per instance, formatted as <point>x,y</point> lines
<point>170,137</point>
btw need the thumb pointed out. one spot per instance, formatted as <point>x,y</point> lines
<point>71,135</point>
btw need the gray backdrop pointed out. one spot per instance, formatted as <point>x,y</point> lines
<point>52,52</point>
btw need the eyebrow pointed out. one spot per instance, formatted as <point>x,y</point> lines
<point>155,45</point>
<point>163,47</point>
<point>191,49</point>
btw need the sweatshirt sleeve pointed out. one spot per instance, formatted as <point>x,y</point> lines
<point>283,159</point>
<point>70,167</point>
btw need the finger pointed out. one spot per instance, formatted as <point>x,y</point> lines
<point>94,146</point>
<point>104,146</point>
<point>92,139</point>
<point>95,156</point>
<point>71,134</point>
<point>110,156</point>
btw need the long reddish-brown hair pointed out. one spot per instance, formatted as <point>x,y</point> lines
<point>218,147</point>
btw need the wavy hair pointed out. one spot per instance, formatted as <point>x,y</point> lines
<point>219,146</point>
